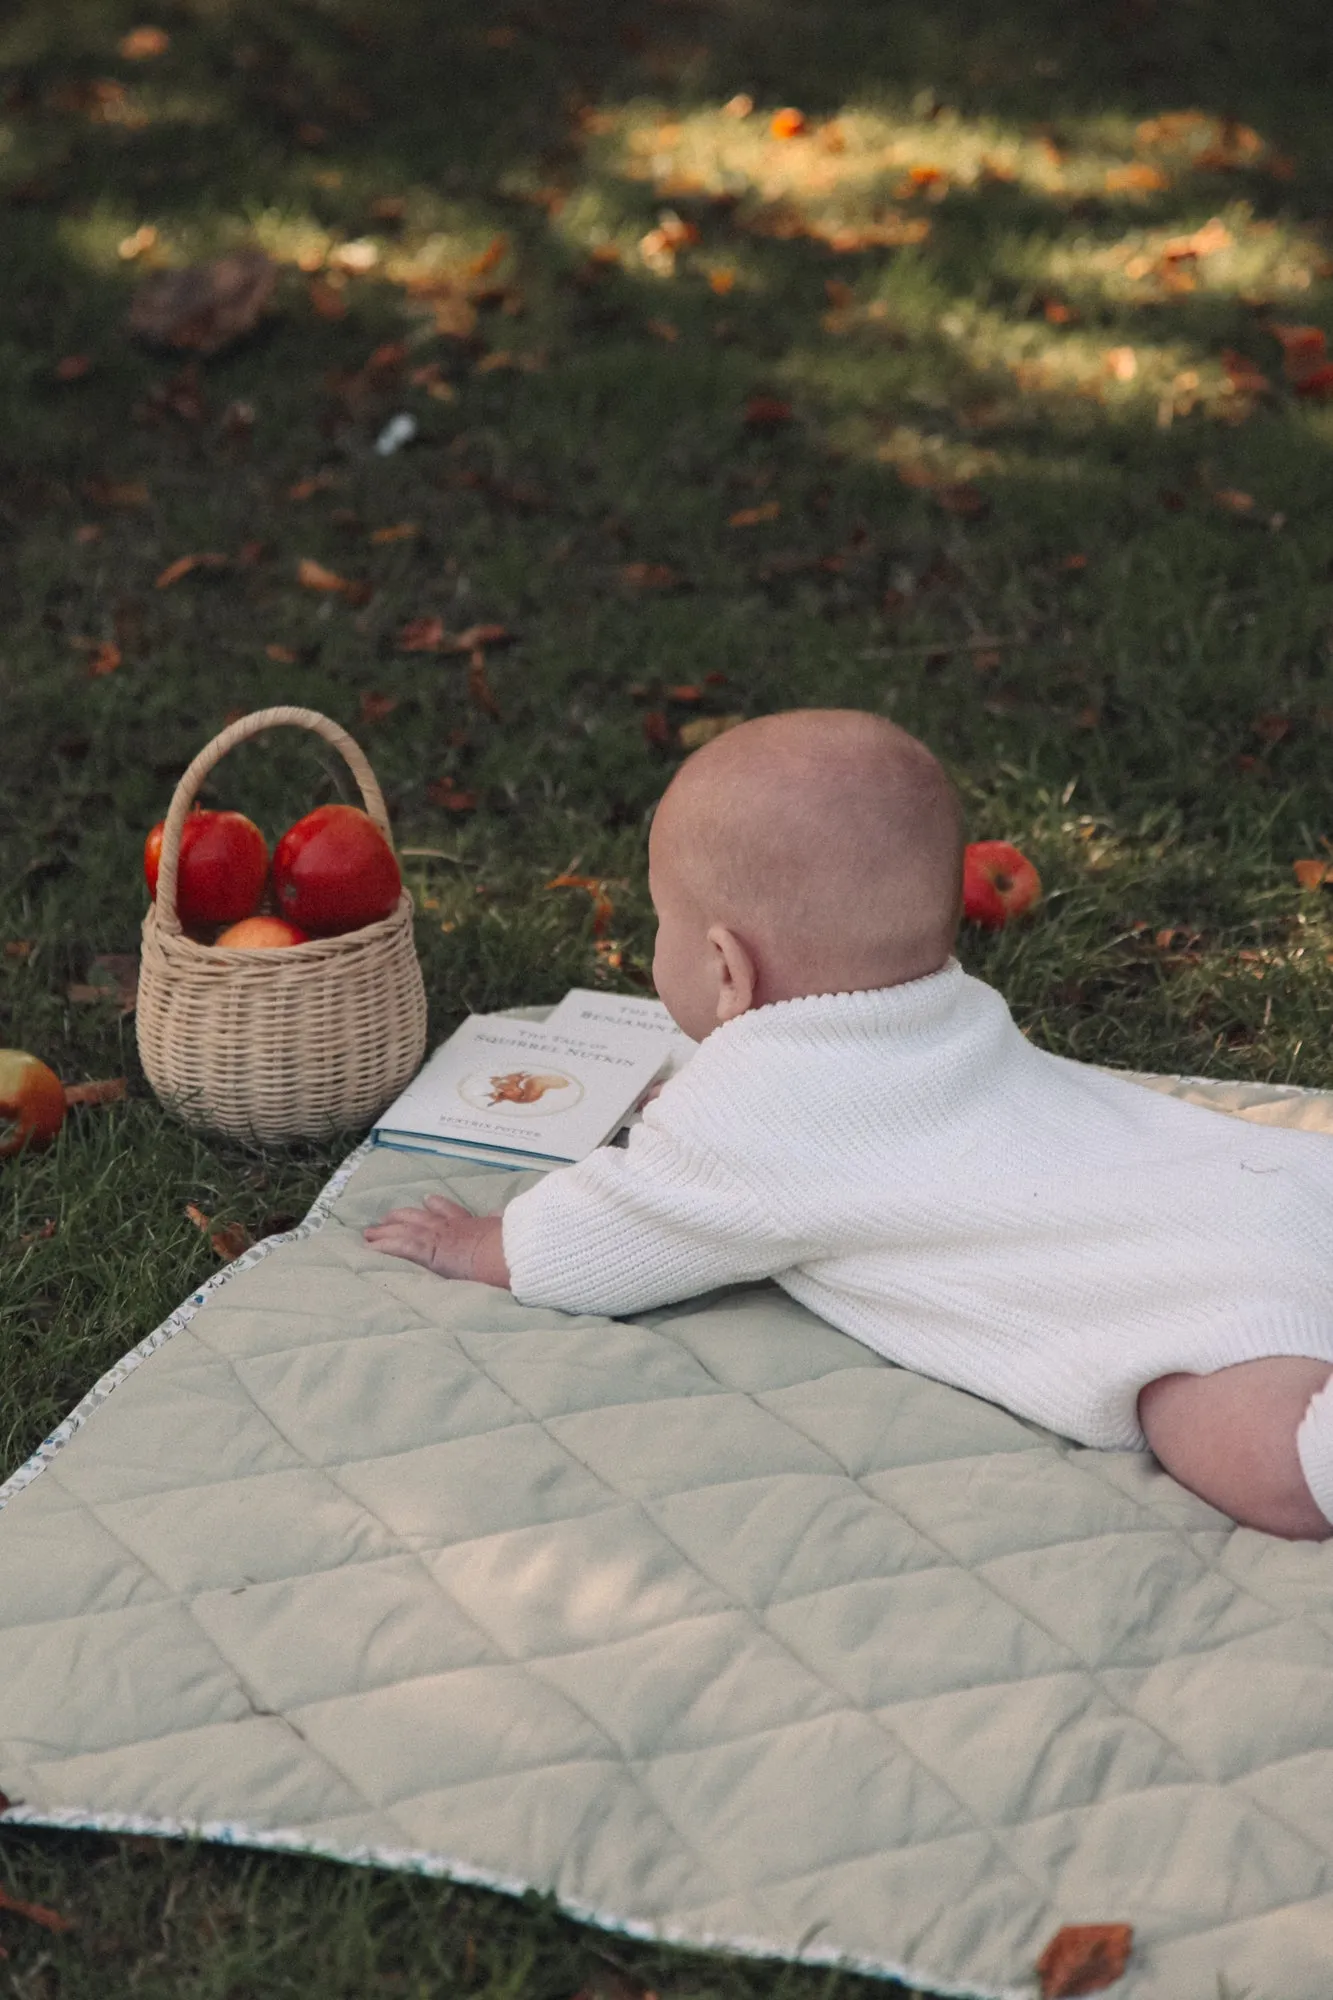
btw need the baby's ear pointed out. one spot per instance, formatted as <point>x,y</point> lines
<point>736,972</point>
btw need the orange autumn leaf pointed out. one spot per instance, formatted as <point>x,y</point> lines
<point>314,482</point>
<point>36,1913</point>
<point>753,517</point>
<point>104,656</point>
<point>1084,1958</point>
<point>182,566</point>
<point>767,413</point>
<point>375,707</point>
<point>109,1090</point>
<point>1318,383</point>
<point>1136,179</point>
<point>1122,363</point>
<point>649,575</point>
<point>312,575</point>
<point>603,909</point>
<point>228,1241</point>
<point>479,687</point>
<point>142,44</point>
<point>283,655</point>
<point>401,531</point>
<point>421,635</point>
<point>444,792</point>
<point>489,257</point>
<point>1312,874</point>
<point>1304,354</point>
<point>925,176</point>
<point>788,123</point>
<point>721,279</point>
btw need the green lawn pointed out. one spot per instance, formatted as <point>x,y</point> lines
<point>962,403</point>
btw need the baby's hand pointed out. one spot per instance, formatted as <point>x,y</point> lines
<point>446,1239</point>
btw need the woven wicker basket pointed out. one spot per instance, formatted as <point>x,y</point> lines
<point>289,1044</point>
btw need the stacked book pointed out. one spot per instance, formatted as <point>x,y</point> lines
<point>513,1093</point>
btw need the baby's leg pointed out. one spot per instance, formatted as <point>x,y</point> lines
<point>1231,1438</point>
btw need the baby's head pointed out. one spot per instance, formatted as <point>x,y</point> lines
<point>819,851</point>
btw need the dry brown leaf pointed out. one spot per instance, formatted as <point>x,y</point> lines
<point>444,792</point>
<point>961,497</point>
<point>687,693</point>
<point>753,517</point>
<point>36,1913</point>
<point>1084,1958</point>
<point>109,1090</point>
<point>142,44</point>
<point>326,300</point>
<point>182,566</point>
<point>603,909</point>
<point>113,975</point>
<point>18,948</point>
<point>229,1240</point>
<point>1304,349</point>
<point>664,330</point>
<point>1205,241</point>
<point>422,635</point>
<point>375,707</point>
<point>767,413</point>
<point>205,306</point>
<point>284,655</point>
<point>722,279</point>
<point>1235,502</point>
<point>73,367</point>
<point>305,489</point>
<point>1244,376</point>
<point>476,636</point>
<point>104,656</point>
<point>479,687</point>
<point>1312,874</point>
<point>116,492</point>
<point>1136,179</point>
<point>649,576</point>
<point>401,531</point>
<point>656,729</point>
<point>489,258</point>
<point>704,728</point>
<point>312,575</point>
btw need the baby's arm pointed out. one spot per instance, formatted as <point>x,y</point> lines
<point>1231,1438</point>
<point>446,1238</point>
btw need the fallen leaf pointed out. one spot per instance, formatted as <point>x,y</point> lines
<point>422,635</point>
<point>116,492</point>
<point>1121,363</point>
<point>1084,1958</point>
<point>603,909</point>
<point>753,517</point>
<point>104,655</point>
<point>477,636</point>
<point>142,44</point>
<point>18,948</point>
<point>305,489</point>
<point>1205,241</point>
<point>431,377</point>
<point>326,300</point>
<point>137,243</point>
<point>1312,874</point>
<point>375,707</point>
<point>312,575</point>
<point>489,257</point>
<point>656,729</point>
<point>88,531</point>
<point>788,123</point>
<point>479,687</point>
<point>1136,179</point>
<point>41,1235</point>
<point>36,1913</point>
<point>182,566</point>
<point>1271,728</point>
<point>401,531</point>
<point>72,367</point>
<point>721,279</point>
<point>767,413</point>
<point>704,728</point>
<point>109,1090</point>
<point>229,1240</point>
<point>1304,357</point>
<point>204,307</point>
<point>284,655</point>
<point>1317,383</point>
<point>1073,562</point>
<point>1243,375</point>
<point>112,975</point>
<point>925,177</point>
<point>664,330</point>
<point>444,792</point>
<point>686,693</point>
<point>961,497</point>
<point>649,576</point>
<point>1235,502</point>
<point>1057,313</point>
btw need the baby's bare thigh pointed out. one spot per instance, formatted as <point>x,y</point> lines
<point>1231,1438</point>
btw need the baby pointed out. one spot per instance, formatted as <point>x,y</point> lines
<point>865,1124</point>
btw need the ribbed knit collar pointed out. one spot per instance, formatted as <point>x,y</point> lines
<point>913,1006</point>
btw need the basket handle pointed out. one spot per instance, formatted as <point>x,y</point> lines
<point>212,753</point>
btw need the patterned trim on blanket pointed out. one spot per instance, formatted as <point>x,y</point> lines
<point>314,1219</point>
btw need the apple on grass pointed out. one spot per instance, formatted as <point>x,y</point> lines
<point>32,1102</point>
<point>999,883</point>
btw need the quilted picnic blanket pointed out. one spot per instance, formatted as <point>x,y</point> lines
<point>714,1625</point>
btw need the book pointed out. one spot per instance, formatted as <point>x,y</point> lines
<point>583,1012</point>
<point>508,1093</point>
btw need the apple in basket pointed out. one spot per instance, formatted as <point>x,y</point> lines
<point>999,883</point>
<point>261,934</point>
<point>32,1102</point>
<point>222,868</point>
<point>334,871</point>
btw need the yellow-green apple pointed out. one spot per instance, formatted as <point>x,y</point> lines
<point>999,883</point>
<point>32,1102</point>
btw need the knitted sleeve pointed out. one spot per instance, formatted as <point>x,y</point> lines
<point>641,1226</point>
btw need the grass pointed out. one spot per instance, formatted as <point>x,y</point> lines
<point>1022,502</point>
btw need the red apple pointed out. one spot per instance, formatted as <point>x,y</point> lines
<point>261,934</point>
<point>999,883</point>
<point>32,1102</point>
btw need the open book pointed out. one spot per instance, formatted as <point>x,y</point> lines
<point>513,1093</point>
